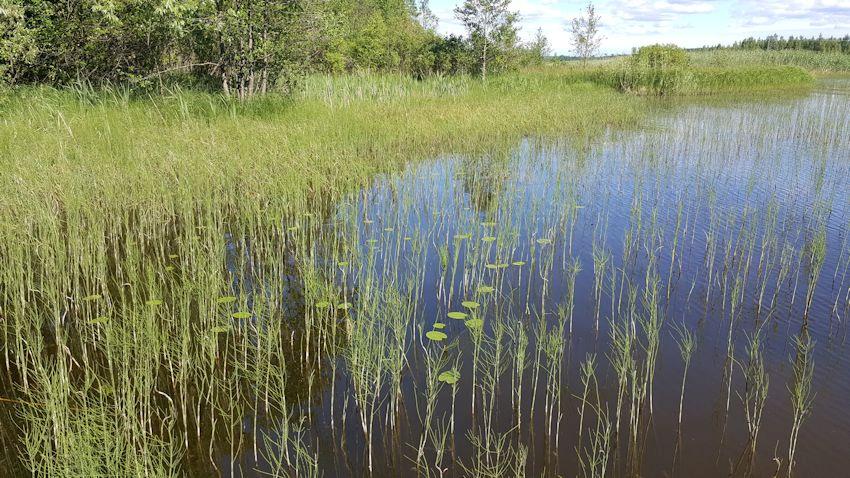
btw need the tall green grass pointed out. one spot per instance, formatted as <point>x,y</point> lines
<point>808,60</point>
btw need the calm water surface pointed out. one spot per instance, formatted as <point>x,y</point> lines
<point>709,219</point>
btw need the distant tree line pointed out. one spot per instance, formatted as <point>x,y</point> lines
<point>777,42</point>
<point>246,47</point>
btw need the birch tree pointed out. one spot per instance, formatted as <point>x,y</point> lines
<point>586,37</point>
<point>489,23</point>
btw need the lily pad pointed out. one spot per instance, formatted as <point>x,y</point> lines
<point>439,325</point>
<point>485,289</point>
<point>519,263</point>
<point>543,241</point>
<point>475,324</point>
<point>488,239</point>
<point>470,304</point>
<point>344,306</point>
<point>449,376</point>
<point>436,335</point>
<point>92,298</point>
<point>227,299</point>
<point>323,304</point>
<point>242,315</point>
<point>457,315</point>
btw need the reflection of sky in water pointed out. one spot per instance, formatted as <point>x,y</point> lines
<point>734,170</point>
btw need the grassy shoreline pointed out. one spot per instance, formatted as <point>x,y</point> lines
<point>116,297</point>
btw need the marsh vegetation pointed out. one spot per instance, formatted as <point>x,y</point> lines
<point>592,271</point>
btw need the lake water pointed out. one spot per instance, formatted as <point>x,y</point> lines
<point>726,218</point>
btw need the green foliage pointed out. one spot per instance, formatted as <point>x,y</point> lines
<point>657,69</point>
<point>827,62</point>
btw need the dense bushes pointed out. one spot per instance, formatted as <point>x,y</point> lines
<point>656,69</point>
<point>241,47</point>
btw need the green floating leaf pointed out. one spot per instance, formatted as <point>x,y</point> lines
<point>436,335</point>
<point>488,239</point>
<point>99,320</point>
<point>491,266</point>
<point>343,263</point>
<point>169,268</point>
<point>173,256</point>
<point>470,304</point>
<point>449,376</point>
<point>344,306</point>
<point>485,289</point>
<point>220,329</point>
<point>544,241</point>
<point>519,263</point>
<point>323,304</point>
<point>439,325</point>
<point>153,303</point>
<point>242,315</point>
<point>408,238</point>
<point>457,315</point>
<point>388,229</point>
<point>475,324</point>
<point>92,298</point>
<point>227,299</point>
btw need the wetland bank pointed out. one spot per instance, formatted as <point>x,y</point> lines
<point>551,273</point>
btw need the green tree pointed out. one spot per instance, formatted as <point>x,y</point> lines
<point>492,29</point>
<point>586,35</point>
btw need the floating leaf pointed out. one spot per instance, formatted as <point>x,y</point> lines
<point>220,329</point>
<point>449,376</point>
<point>457,315</point>
<point>491,266</point>
<point>242,315</point>
<point>475,324</point>
<point>323,304</point>
<point>344,306</point>
<point>436,335</point>
<point>543,241</point>
<point>439,325</point>
<point>470,304</point>
<point>173,256</point>
<point>485,289</point>
<point>343,263</point>
<point>227,299</point>
<point>154,303</point>
<point>92,298</point>
<point>388,229</point>
<point>519,263</point>
<point>488,239</point>
<point>408,238</point>
<point>99,320</point>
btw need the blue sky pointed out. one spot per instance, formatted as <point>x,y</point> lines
<point>687,23</point>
